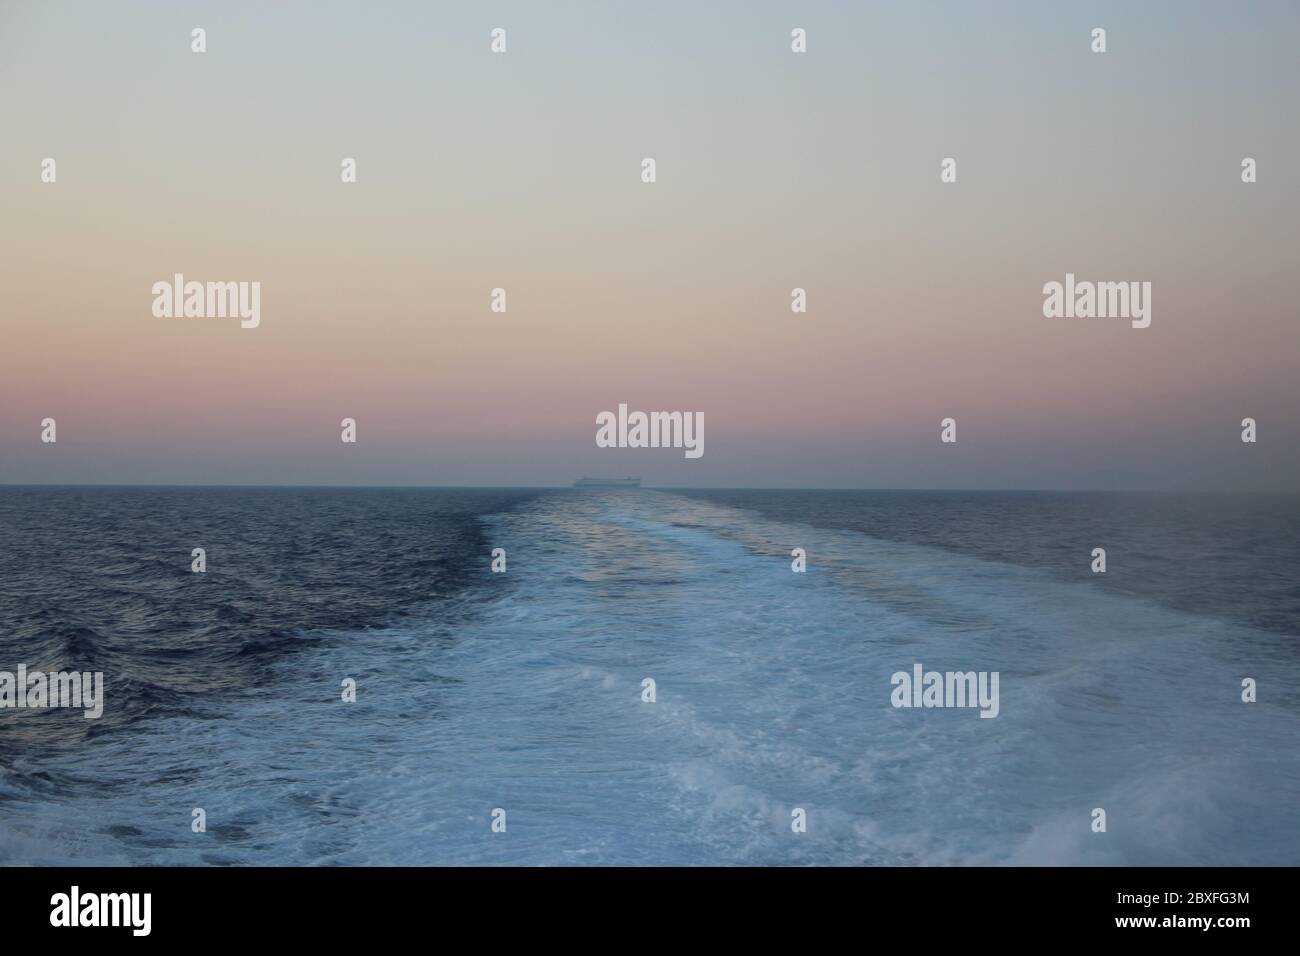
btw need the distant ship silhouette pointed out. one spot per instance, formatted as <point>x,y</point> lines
<point>607,483</point>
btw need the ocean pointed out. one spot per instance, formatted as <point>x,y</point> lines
<point>523,691</point>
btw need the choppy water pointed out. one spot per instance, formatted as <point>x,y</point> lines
<point>523,690</point>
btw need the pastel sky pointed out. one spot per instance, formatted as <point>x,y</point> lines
<point>775,170</point>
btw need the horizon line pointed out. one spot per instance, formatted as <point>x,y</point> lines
<point>570,487</point>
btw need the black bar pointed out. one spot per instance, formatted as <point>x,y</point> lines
<point>975,906</point>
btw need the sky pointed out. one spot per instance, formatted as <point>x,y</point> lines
<point>775,170</point>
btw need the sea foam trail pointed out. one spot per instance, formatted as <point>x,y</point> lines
<point>773,693</point>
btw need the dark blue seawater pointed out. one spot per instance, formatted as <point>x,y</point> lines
<point>523,690</point>
<point>1233,556</point>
